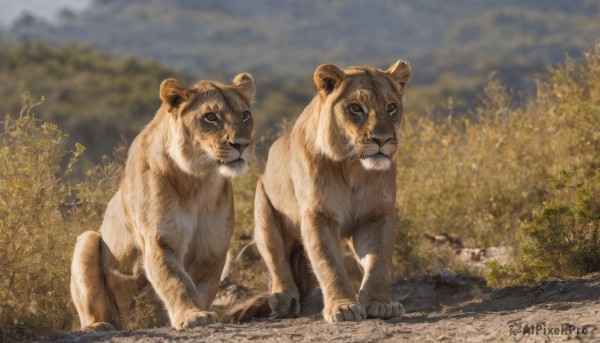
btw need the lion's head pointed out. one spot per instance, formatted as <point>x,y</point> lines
<point>211,124</point>
<point>360,112</point>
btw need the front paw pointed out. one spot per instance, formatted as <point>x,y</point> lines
<point>376,309</point>
<point>195,318</point>
<point>344,310</point>
<point>284,305</point>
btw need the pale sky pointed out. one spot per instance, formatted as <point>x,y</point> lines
<point>47,9</point>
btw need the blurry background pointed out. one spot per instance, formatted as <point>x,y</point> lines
<point>452,46</point>
<point>48,10</point>
<point>498,168</point>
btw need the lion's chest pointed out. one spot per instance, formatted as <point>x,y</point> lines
<point>204,224</point>
<point>360,204</point>
<point>350,200</point>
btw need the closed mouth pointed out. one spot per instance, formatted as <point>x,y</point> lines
<point>377,155</point>
<point>234,162</point>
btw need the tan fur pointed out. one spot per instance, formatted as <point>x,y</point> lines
<point>171,220</point>
<point>332,179</point>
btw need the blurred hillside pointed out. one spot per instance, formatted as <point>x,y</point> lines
<point>99,98</point>
<point>452,46</point>
<point>95,97</point>
<point>49,10</point>
<point>215,37</point>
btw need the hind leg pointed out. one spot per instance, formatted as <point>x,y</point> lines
<point>275,250</point>
<point>88,287</point>
<point>306,281</point>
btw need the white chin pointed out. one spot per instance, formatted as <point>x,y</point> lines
<point>376,163</point>
<point>234,169</point>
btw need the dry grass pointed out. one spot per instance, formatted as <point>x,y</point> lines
<point>36,228</point>
<point>481,180</point>
<point>42,211</point>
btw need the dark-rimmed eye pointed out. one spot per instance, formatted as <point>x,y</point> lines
<point>246,115</point>
<point>392,109</point>
<point>355,109</point>
<point>210,117</point>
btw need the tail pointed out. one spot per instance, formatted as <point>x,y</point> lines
<point>249,309</point>
<point>258,307</point>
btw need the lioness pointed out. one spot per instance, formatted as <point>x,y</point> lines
<point>171,220</point>
<point>333,178</point>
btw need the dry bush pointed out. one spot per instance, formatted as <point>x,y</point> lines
<point>42,211</point>
<point>36,233</point>
<point>481,180</point>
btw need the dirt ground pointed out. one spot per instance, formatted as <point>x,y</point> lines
<point>446,308</point>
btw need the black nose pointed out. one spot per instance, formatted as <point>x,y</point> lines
<point>239,146</point>
<point>381,140</point>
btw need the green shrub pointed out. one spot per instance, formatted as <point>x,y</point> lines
<point>561,241</point>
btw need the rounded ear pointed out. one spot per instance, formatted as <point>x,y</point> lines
<point>327,78</point>
<point>400,72</point>
<point>244,84</point>
<point>172,93</point>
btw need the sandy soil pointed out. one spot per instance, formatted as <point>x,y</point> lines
<point>442,308</point>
